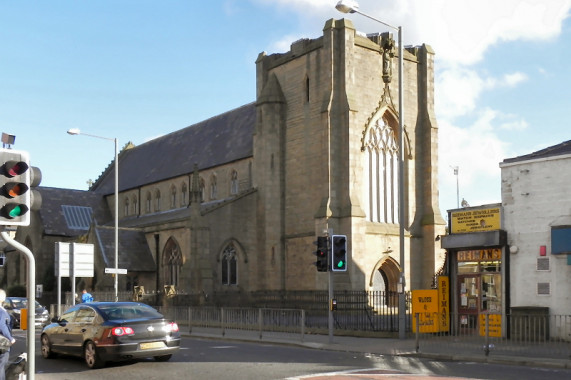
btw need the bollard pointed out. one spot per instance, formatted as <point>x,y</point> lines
<point>417,318</point>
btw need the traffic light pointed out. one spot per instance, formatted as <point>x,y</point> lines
<point>322,253</point>
<point>339,253</point>
<point>15,199</point>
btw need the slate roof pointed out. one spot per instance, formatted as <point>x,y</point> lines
<point>134,253</point>
<point>219,140</point>
<point>53,201</point>
<point>555,150</point>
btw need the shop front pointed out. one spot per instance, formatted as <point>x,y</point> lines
<point>477,267</point>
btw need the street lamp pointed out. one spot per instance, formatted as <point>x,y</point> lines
<point>76,131</point>
<point>351,6</point>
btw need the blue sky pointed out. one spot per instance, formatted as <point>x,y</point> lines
<point>136,69</point>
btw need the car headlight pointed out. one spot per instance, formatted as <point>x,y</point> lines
<point>17,311</point>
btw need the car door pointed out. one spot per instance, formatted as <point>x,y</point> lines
<point>58,332</point>
<point>81,328</point>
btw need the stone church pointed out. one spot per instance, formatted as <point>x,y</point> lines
<point>235,203</point>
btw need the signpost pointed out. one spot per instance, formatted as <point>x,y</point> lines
<point>115,271</point>
<point>72,260</point>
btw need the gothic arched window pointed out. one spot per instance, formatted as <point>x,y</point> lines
<point>149,203</point>
<point>172,263</point>
<point>213,187</point>
<point>229,266</point>
<point>173,197</point>
<point>158,200</point>
<point>202,190</point>
<point>184,195</point>
<point>234,183</point>
<point>381,170</point>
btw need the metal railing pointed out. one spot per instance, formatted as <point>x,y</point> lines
<point>525,335</point>
<point>262,320</point>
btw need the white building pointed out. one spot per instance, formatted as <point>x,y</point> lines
<point>536,200</point>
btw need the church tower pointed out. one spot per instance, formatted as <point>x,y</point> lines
<point>326,160</point>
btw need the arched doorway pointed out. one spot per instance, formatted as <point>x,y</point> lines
<point>384,280</point>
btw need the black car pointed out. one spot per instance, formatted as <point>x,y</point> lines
<point>14,306</point>
<point>111,331</point>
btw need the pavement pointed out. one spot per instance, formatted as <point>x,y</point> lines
<point>387,346</point>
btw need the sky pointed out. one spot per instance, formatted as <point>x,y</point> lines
<point>133,70</point>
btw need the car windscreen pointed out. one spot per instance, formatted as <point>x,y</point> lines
<point>115,312</point>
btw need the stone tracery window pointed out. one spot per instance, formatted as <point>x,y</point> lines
<point>172,263</point>
<point>229,266</point>
<point>381,170</point>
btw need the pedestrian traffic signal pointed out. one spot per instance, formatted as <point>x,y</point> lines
<point>339,253</point>
<point>322,254</point>
<point>15,199</point>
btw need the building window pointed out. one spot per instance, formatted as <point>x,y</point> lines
<point>126,208</point>
<point>213,187</point>
<point>135,211</point>
<point>234,183</point>
<point>173,197</point>
<point>202,190</point>
<point>381,165</point>
<point>149,202</point>
<point>229,266</point>
<point>172,262</point>
<point>157,200</point>
<point>184,196</point>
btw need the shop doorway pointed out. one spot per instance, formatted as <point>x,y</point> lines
<point>469,303</point>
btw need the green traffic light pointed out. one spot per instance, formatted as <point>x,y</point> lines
<point>340,264</point>
<point>15,212</point>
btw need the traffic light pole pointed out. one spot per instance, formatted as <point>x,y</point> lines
<point>330,308</point>
<point>31,334</point>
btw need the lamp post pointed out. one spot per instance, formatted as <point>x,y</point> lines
<point>76,131</point>
<point>351,6</point>
<point>456,168</point>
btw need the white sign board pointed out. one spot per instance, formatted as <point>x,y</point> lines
<point>62,260</point>
<point>74,260</point>
<point>115,271</point>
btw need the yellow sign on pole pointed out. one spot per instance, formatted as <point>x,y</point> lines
<point>494,325</point>
<point>425,303</point>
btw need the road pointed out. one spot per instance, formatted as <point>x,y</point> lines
<point>202,359</point>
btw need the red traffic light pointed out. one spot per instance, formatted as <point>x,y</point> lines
<point>15,188</point>
<point>14,168</point>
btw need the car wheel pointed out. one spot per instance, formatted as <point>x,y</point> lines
<point>91,358</point>
<point>163,358</point>
<point>46,347</point>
